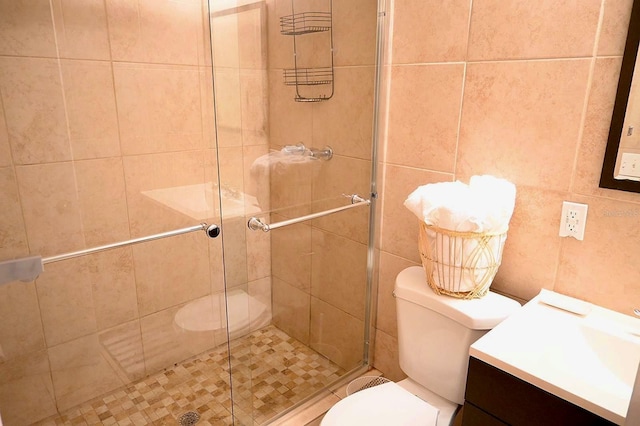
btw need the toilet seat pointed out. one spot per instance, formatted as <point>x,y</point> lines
<point>387,404</point>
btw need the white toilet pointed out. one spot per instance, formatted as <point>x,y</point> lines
<point>434,335</point>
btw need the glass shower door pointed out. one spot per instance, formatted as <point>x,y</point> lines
<point>297,293</point>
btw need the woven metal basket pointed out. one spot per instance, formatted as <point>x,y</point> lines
<point>460,264</point>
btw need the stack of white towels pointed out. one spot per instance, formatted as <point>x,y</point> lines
<point>485,205</point>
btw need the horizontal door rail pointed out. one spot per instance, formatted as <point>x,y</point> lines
<point>28,268</point>
<point>256,224</point>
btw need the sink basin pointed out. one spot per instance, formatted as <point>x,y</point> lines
<point>589,359</point>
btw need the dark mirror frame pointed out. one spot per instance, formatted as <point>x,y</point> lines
<point>607,179</point>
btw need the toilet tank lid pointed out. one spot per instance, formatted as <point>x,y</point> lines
<point>476,314</point>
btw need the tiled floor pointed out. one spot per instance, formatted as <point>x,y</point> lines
<point>271,372</point>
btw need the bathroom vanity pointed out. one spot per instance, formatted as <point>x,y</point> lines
<point>494,397</point>
<point>547,365</point>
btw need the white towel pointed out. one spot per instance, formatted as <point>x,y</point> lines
<point>484,206</point>
<point>295,168</point>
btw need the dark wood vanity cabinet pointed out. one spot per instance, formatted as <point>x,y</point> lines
<point>494,397</point>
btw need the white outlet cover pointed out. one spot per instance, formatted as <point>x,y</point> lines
<point>578,220</point>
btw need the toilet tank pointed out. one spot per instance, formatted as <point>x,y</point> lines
<point>435,332</point>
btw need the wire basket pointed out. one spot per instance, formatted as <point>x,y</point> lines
<point>365,382</point>
<point>460,264</point>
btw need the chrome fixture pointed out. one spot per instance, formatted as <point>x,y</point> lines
<point>256,224</point>
<point>28,268</point>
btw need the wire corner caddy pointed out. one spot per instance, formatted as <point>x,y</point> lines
<point>298,24</point>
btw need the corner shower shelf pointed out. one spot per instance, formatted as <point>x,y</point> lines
<point>305,22</point>
<point>308,76</point>
<point>298,24</point>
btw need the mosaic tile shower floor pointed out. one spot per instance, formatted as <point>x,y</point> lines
<point>271,372</point>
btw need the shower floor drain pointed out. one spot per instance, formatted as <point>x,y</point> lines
<point>189,418</point>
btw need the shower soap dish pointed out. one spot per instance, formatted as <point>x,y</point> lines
<point>365,382</point>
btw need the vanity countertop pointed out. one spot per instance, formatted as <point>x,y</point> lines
<point>588,356</point>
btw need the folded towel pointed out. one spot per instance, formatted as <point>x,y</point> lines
<point>290,167</point>
<point>485,205</point>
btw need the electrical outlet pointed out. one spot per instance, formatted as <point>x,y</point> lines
<point>573,220</point>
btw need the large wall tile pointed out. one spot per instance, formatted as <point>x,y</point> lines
<point>159,108</point>
<point>254,97</point>
<point>616,17</point>
<point>424,111</point>
<point>166,31</point>
<point>171,271</point>
<point>228,104</point>
<point>66,301</point>
<point>80,372</point>
<point>280,46</point>
<point>261,291</point>
<point>530,255</point>
<point>291,310</point>
<point>338,177</point>
<point>252,37</point>
<point>50,207</point>
<point>291,254</point>
<point>103,201</point>
<point>26,28</point>
<point>430,31</point>
<point>354,32</point>
<point>26,391</point>
<point>520,29</point>
<point>516,114</point>
<point>235,251</point>
<point>21,327</point>
<point>588,270</point>
<point>339,272</point>
<point>231,165</point>
<point>399,235</point>
<point>224,34</point>
<point>91,109</point>
<point>81,29</point>
<point>5,148</point>
<point>344,121</point>
<point>290,122</point>
<point>336,334</point>
<point>34,108</point>
<point>13,237</point>
<point>114,287</point>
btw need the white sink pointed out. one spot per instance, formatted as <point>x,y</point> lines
<point>589,359</point>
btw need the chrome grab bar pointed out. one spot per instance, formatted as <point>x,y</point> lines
<point>256,224</point>
<point>212,231</point>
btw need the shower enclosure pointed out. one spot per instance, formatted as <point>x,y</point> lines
<point>136,125</point>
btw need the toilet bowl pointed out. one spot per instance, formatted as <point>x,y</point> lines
<point>434,336</point>
<point>399,404</point>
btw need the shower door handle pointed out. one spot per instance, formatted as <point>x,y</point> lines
<point>256,224</point>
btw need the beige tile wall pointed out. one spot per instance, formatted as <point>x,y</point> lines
<point>100,101</point>
<point>524,91</point>
<point>319,268</point>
